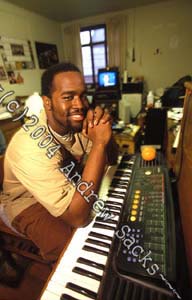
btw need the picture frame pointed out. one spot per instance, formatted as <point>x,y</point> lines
<point>47,54</point>
<point>16,54</point>
<point>3,75</point>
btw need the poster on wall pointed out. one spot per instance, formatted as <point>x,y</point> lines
<point>16,54</point>
<point>47,54</point>
<point>14,77</point>
<point>3,75</point>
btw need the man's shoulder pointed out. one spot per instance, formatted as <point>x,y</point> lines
<point>36,143</point>
<point>21,140</point>
<point>31,131</point>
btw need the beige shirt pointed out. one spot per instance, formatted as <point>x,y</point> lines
<point>30,176</point>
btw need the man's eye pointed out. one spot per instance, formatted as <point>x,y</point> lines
<point>68,98</point>
<point>84,96</point>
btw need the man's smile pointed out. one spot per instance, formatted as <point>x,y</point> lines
<point>77,116</point>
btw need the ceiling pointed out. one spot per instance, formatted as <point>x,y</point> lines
<point>68,10</point>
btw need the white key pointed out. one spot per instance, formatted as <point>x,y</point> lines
<point>107,232</point>
<point>113,226</point>
<point>117,189</point>
<point>129,170</point>
<point>68,260</point>
<point>115,203</point>
<point>126,178</point>
<point>83,281</point>
<point>49,296</point>
<point>89,268</point>
<point>98,258</point>
<point>100,239</point>
<point>55,287</point>
<point>115,217</point>
<point>112,209</point>
<point>97,246</point>
<point>75,294</point>
<point>118,200</point>
<point>59,289</point>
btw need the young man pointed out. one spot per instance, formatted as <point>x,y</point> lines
<point>39,200</point>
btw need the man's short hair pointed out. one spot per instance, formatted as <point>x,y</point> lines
<point>49,74</point>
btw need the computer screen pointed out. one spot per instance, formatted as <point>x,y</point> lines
<point>108,78</point>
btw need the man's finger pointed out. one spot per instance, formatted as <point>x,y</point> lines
<point>106,118</point>
<point>98,114</point>
<point>85,127</point>
<point>90,118</point>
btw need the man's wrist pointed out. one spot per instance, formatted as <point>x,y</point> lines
<point>100,145</point>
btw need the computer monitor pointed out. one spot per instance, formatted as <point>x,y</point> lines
<point>108,78</point>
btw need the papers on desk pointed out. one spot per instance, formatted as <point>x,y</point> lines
<point>131,130</point>
<point>176,141</point>
<point>175,113</point>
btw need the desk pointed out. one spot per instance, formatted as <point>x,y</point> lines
<point>128,139</point>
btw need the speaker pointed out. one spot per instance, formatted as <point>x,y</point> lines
<point>156,127</point>
<point>124,111</point>
<point>135,103</point>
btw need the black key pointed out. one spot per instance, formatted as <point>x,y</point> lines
<point>67,297</point>
<point>123,165</point>
<point>125,180</point>
<point>119,185</point>
<point>114,213</point>
<point>81,290</point>
<point>113,207</point>
<point>115,195</point>
<point>90,263</point>
<point>96,242</point>
<point>95,250</point>
<point>89,274</point>
<point>100,236</point>
<point>114,203</point>
<point>103,226</point>
<point>117,192</point>
<point>100,219</point>
<point>122,173</point>
<point>118,181</point>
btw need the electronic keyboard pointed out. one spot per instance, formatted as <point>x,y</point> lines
<point>94,265</point>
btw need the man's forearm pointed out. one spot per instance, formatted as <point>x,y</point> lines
<point>81,205</point>
<point>112,152</point>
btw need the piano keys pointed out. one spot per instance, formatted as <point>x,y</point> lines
<point>88,268</point>
<point>80,270</point>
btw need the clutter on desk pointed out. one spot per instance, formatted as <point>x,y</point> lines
<point>176,113</point>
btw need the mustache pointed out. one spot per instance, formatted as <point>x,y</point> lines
<point>76,111</point>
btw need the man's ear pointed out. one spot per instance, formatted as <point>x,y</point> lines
<point>47,103</point>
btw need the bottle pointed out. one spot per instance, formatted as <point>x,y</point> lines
<point>150,99</point>
<point>125,76</point>
<point>158,103</point>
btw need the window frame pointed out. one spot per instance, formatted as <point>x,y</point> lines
<point>92,44</point>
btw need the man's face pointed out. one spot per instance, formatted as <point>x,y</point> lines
<point>68,102</point>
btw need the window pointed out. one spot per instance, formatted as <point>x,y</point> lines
<point>94,51</point>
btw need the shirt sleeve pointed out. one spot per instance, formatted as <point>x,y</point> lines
<point>42,177</point>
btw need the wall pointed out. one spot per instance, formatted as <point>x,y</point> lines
<point>160,35</point>
<point>21,24</point>
<point>164,26</point>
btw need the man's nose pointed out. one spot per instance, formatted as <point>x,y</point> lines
<point>78,102</point>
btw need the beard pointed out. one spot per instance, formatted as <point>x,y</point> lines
<point>65,123</point>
